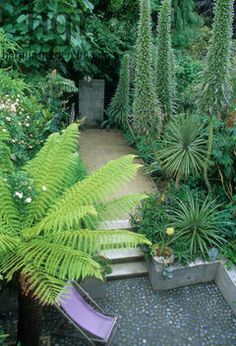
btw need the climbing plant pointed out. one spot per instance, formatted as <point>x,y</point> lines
<point>146,111</point>
<point>165,69</point>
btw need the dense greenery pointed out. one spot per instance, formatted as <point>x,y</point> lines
<point>174,101</point>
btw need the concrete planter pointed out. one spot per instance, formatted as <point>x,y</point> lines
<point>95,288</point>
<point>195,273</point>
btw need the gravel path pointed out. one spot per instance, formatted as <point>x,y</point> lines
<point>190,316</point>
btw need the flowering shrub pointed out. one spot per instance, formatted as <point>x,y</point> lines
<point>24,119</point>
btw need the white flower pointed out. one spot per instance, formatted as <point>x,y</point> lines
<point>4,130</point>
<point>28,200</point>
<point>27,117</point>
<point>13,141</point>
<point>44,188</point>
<point>13,108</point>
<point>19,194</point>
<point>27,125</point>
<point>2,106</point>
<point>8,119</point>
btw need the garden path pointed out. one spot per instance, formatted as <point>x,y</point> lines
<point>97,147</point>
<point>100,146</point>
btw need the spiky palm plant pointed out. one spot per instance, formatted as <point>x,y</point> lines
<point>165,69</point>
<point>46,242</point>
<point>198,223</point>
<point>216,88</point>
<point>146,112</point>
<point>184,148</point>
<point>119,109</point>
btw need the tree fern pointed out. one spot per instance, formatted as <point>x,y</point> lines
<point>46,241</point>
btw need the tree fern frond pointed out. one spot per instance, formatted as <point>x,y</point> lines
<point>65,218</point>
<point>58,260</point>
<point>80,200</point>
<point>89,241</point>
<point>45,287</point>
<point>51,170</point>
<point>7,243</point>
<point>113,210</point>
<point>8,211</point>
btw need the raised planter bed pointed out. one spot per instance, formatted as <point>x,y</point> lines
<point>195,273</point>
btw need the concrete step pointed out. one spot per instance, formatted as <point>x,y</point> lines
<point>126,270</point>
<point>123,255</point>
<point>118,224</point>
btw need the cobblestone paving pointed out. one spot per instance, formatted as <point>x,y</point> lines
<point>190,316</point>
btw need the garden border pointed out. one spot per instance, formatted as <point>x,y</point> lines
<point>196,272</point>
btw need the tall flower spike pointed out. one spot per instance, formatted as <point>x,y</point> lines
<point>165,67</point>
<point>146,111</point>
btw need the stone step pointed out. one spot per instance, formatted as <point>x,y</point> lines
<point>126,270</point>
<point>123,255</point>
<point>118,224</point>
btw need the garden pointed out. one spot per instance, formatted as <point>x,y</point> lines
<point>118,172</point>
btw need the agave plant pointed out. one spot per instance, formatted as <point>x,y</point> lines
<point>184,148</point>
<point>45,241</point>
<point>199,224</point>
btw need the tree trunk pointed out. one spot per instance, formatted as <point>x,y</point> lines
<point>29,316</point>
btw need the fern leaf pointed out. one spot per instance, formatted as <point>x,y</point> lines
<point>113,210</point>
<point>58,260</point>
<point>9,214</point>
<point>52,169</point>
<point>45,287</point>
<point>89,241</point>
<point>7,243</point>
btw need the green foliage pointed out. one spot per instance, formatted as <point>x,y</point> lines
<point>229,253</point>
<point>165,70</point>
<point>119,109</point>
<point>198,223</point>
<point>47,238</point>
<point>24,119</point>
<point>56,37</point>
<point>146,112</point>
<point>184,148</point>
<point>223,158</point>
<point>216,88</point>
<point>186,23</point>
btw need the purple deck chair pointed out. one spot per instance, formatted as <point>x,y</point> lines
<point>85,314</point>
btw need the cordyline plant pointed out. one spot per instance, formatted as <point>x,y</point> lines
<point>216,88</point>
<point>184,148</point>
<point>146,111</point>
<point>51,238</point>
<point>119,109</point>
<point>165,69</point>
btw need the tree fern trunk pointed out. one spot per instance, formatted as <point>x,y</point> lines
<point>29,316</point>
<point>209,151</point>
